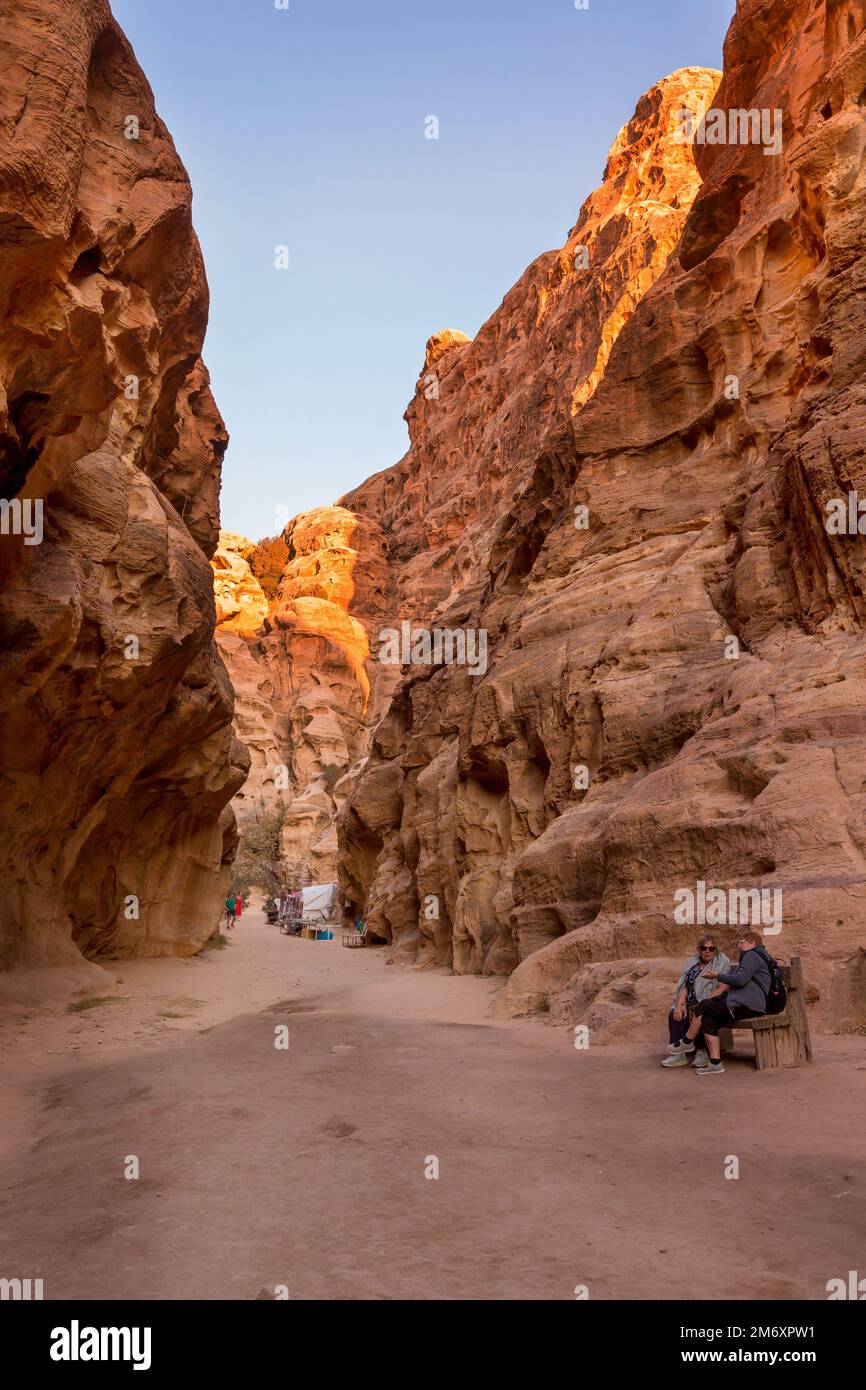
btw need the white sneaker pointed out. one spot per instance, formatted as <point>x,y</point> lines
<point>702,1059</point>
<point>676,1048</point>
<point>678,1060</point>
<point>711,1069</point>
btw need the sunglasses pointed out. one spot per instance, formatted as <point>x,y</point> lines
<point>702,950</point>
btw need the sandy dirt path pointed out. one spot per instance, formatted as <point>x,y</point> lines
<point>305,1168</point>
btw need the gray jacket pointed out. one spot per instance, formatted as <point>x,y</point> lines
<point>749,982</point>
<point>703,986</point>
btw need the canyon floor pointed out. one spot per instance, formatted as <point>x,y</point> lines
<point>305,1168</point>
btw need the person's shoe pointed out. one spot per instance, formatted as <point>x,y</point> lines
<point>678,1060</point>
<point>676,1048</point>
<point>711,1069</point>
<point>702,1058</point>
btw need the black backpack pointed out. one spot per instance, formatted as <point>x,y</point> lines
<point>777,995</point>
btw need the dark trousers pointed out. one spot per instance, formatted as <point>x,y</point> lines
<point>677,1031</point>
<point>715,1014</point>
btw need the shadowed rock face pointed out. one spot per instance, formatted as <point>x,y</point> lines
<point>703,408</point>
<point>117,758</point>
<point>430,829</point>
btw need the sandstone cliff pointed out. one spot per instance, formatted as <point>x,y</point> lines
<point>487,427</point>
<point>675,689</point>
<point>117,758</point>
<point>301,667</point>
<point>310,688</point>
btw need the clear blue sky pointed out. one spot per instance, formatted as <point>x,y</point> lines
<point>306,128</point>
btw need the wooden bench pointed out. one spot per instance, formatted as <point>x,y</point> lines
<point>781,1040</point>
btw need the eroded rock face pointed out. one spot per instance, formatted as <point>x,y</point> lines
<point>241,605</point>
<point>703,407</point>
<point>307,693</point>
<point>484,408</point>
<point>117,758</point>
<point>490,432</point>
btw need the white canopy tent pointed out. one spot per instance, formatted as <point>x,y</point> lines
<point>319,901</point>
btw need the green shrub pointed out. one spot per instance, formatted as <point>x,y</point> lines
<point>332,772</point>
<point>258,857</point>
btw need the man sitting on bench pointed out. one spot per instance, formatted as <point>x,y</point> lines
<point>745,996</point>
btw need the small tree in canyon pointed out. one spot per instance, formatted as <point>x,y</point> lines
<point>267,562</point>
<point>331,773</point>
<point>258,859</point>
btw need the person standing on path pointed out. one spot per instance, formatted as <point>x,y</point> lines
<point>239,902</point>
<point>230,910</point>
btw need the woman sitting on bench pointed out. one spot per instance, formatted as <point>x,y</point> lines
<point>744,996</point>
<point>693,987</point>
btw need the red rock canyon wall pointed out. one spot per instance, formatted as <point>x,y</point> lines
<point>308,693</point>
<point>697,647</point>
<point>117,757</point>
